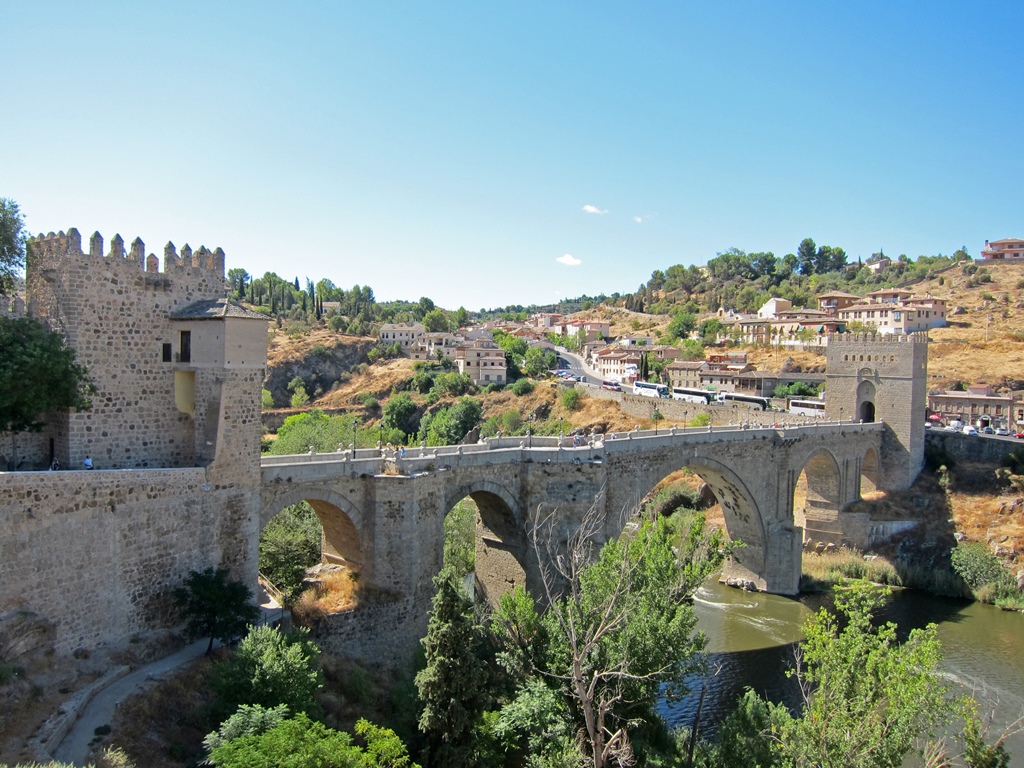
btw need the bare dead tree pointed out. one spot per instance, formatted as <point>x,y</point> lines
<point>603,685</point>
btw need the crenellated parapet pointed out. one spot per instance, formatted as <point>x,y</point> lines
<point>13,307</point>
<point>879,338</point>
<point>56,246</point>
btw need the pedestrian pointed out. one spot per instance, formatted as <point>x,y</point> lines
<point>88,462</point>
<point>54,465</point>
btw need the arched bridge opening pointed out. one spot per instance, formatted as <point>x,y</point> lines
<point>702,483</point>
<point>287,526</point>
<point>486,536</point>
<point>817,499</point>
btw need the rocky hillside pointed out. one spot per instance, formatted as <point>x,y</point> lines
<point>321,358</point>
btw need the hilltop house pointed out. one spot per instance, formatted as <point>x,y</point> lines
<point>402,333</point>
<point>1007,249</point>
<point>895,310</point>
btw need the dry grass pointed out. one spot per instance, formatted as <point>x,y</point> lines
<point>336,590</point>
<point>378,380</point>
<point>821,571</point>
<point>163,727</point>
<point>283,347</point>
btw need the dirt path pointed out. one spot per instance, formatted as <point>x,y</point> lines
<point>100,710</point>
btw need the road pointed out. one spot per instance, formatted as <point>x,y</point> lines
<point>575,365</point>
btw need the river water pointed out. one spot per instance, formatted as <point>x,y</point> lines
<point>751,637</point>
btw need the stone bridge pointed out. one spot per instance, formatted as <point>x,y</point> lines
<point>383,514</point>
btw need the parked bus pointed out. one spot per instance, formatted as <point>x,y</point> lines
<point>815,408</point>
<point>748,401</point>
<point>649,389</point>
<point>690,395</point>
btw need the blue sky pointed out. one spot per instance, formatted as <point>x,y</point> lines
<point>487,153</point>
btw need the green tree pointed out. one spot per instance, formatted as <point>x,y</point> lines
<point>806,254</point>
<point>522,387</point>
<point>316,429</point>
<point>620,628</point>
<point>398,413</point>
<point>436,321</point>
<point>248,720</point>
<point>867,698</point>
<point>461,318</point>
<point>453,687</point>
<point>12,245</point>
<point>681,325</point>
<point>571,399</point>
<point>215,606</point>
<point>300,742</point>
<point>289,544</point>
<point>33,353</point>
<point>538,361</point>
<point>270,668</point>
<point>448,426</point>
<point>266,400</point>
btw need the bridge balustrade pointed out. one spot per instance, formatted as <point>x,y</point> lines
<point>550,449</point>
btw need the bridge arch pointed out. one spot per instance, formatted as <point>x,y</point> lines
<point>345,533</point>
<point>817,496</point>
<point>743,516</point>
<point>869,466</point>
<point>501,544</point>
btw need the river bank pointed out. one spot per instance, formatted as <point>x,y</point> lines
<point>752,637</point>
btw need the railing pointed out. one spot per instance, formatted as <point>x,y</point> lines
<point>553,449</point>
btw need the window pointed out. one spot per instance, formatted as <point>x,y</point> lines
<point>185,347</point>
<point>168,354</point>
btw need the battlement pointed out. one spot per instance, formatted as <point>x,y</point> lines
<point>69,245</point>
<point>12,307</point>
<point>879,338</point>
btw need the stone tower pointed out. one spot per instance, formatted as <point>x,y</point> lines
<point>177,368</point>
<point>871,377</point>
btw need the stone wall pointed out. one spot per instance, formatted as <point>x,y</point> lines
<point>990,450</point>
<point>98,553</point>
<point>682,413</point>
<point>114,310</point>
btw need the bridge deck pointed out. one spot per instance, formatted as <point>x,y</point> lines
<point>416,460</point>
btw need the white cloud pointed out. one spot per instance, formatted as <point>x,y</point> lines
<point>638,219</point>
<point>569,260</point>
<point>593,209</point>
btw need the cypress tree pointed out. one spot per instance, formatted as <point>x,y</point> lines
<point>453,687</point>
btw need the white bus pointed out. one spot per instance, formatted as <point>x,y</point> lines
<point>649,389</point>
<point>748,401</point>
<point>815,408</point>
<point>691,395</point>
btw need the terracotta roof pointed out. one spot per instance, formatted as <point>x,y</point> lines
<point>215,309</point>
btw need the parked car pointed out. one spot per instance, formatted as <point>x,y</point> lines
<point>987,431</point>
<point>970,429</point>
<point>1002,432</point>
<point>1019,435</point>
<point>612,385</point>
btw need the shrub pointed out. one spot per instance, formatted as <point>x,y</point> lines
<point>270,668</point>
<point>572,400</point>
<point>299,397</point>
<point>522,387</point>
<point>215,606</point>
<point>266,400</point>
<point>977,566</point>
<point>369,401</point>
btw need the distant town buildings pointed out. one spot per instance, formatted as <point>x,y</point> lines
<point>978,405</point>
